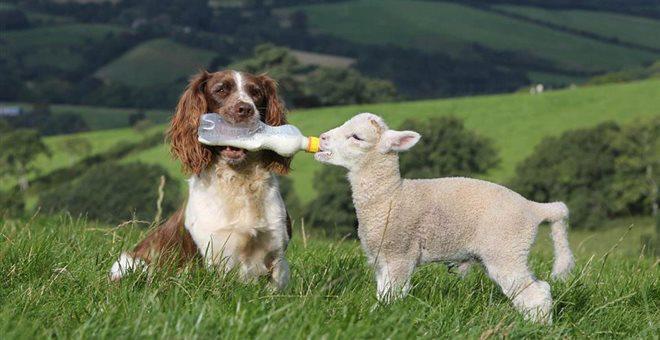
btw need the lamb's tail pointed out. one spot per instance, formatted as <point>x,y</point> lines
<point>557,214</point>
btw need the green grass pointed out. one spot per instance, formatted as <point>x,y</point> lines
<point>515,122</point>
<point>448,27</point>
<point>53,46</point>
<point>626,28</point>
<point>156,62</point>
<point>99,140</point>
<point>55,285</point>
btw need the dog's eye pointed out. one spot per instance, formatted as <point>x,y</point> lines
<point>223,88</point>
<point>253,91</point>
<point>356,137</point>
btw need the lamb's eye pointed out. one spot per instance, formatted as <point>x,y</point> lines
<point>356,137</point>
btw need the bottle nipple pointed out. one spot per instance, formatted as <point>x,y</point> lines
<point>313,145</point>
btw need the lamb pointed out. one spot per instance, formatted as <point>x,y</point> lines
<point>404,223</point>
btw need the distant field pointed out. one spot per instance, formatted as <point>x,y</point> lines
<point>101,118</point>
<point>53,46</point>
<point>642,31</point>
<point>55,284</point>
<point>515,122</point>
<point>448,27</point>
<point>100,141</point>
<point>155,62</point>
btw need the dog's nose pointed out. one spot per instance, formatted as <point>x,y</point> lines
<point>324,137</point>
<point>243,109</point>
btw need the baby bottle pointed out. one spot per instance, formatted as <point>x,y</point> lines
<point>285,140</point>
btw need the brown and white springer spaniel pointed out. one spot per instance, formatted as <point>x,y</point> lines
<point>234,216</point>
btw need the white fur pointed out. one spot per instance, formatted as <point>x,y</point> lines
<point>124,265</point>
<point>405,223</point>
<point>242,94</point>
<point>226,216</point>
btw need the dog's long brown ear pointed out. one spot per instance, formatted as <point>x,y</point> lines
<point>182,133</point>
<point>275,115</point>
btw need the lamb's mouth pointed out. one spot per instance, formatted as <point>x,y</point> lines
<point>232,154</point>
<point>322,155</point>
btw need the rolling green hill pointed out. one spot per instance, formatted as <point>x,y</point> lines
<point>451,28</point>
<point>56,47</point>
<point>515,122</point>
<point>628,28</point>
<point>155,62</point>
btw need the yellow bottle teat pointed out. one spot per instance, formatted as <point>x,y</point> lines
<point>313,144</point>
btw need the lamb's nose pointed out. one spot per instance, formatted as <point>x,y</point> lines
<point>244,109</point>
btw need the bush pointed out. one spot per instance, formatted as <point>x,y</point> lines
<point>291,200</point>
<point>12,203</point>
<point>601,172</point>
<point>112,193</point>
<point>334,86</point>
<point>446,149</point>
<point>136,117</point>
<point>332,209</point>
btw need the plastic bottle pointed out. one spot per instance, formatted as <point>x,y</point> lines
<point>286,140</point>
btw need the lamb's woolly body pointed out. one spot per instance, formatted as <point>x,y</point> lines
<point>404,223</point>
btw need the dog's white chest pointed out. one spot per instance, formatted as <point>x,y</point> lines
<point>222,218</point>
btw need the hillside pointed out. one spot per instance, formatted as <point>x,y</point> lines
<point>155,62</point>
<point>452,28</point>
<point>515,122</point>
<point>53,48</point>
<point>623,27</point>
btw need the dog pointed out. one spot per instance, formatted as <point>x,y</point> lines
<point>234,217</point>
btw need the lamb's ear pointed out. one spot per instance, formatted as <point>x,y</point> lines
<point>397,141</point>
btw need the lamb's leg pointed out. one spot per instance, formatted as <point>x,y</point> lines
<point>279,276</point>
<point>393,279</point>
<point>461,268</point>
<point>530,296</point>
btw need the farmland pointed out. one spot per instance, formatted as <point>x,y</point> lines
<point>155,62</point>
<point>451,28</point>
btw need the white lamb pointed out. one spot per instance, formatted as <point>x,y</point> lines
<point>404,223</point>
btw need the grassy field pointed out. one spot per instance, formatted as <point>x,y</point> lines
<point>155,62</point>
<point>53,46</point>
<point>623,27</point>
<point>447,27</point>
<point>99,140</point>
<point>55,285</point>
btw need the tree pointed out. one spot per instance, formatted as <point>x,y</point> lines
<point>280,64</point>
<point>578,168</point>
<point>76,147</point>
<point>291,200</point>
<point>447,148</point>
<point>18,151</point>
<point>637,168</point>
<point>133,118</point>
<point>312,85</point>
<point>113,193</point>
<point>332,209</point>
<point>337,86</point>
